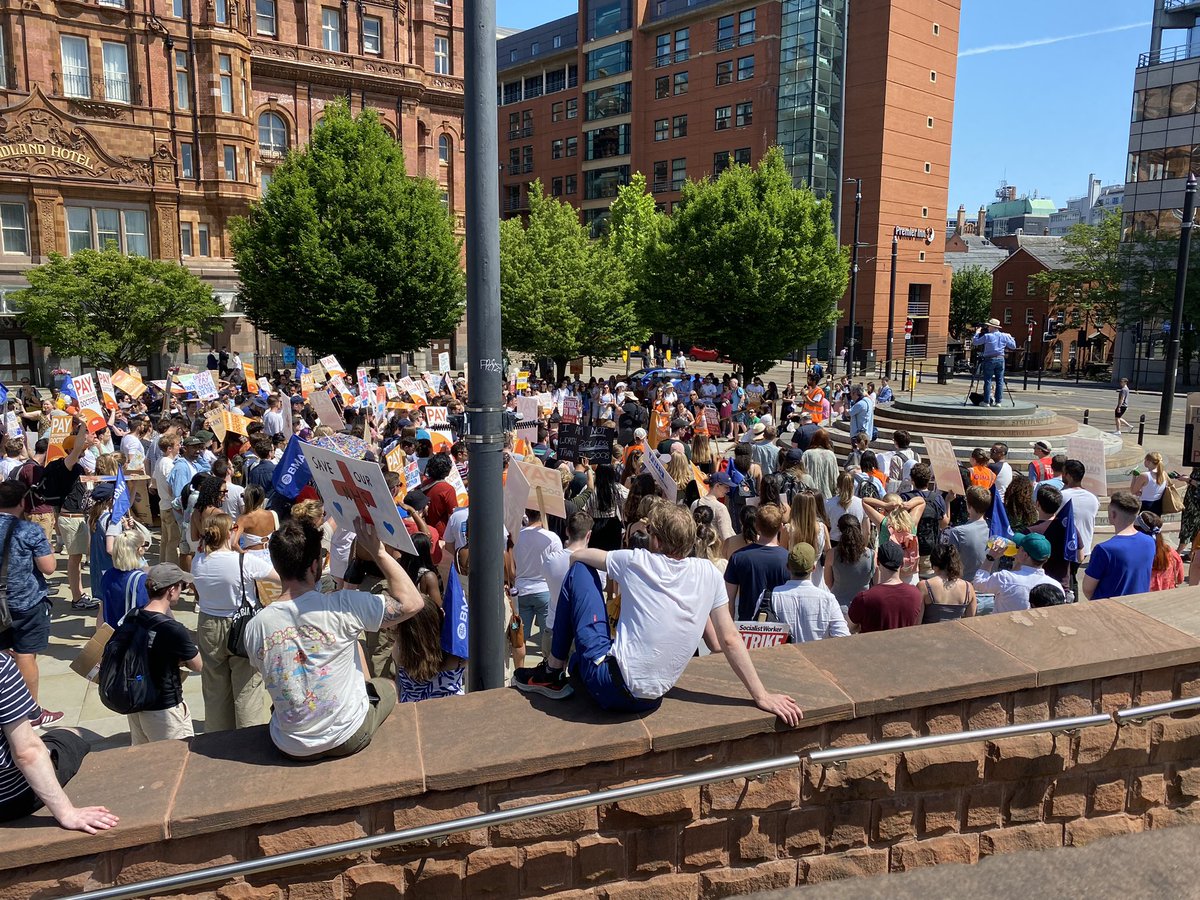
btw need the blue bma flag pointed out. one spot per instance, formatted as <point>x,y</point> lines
<point>3,395</point>
<point>121,501</point>
<point>67,386</point>
<point>1066,516</point>
<point>998,519</point>
<point>292,474</point>
<point>301,369</point>
<point>454,625</point>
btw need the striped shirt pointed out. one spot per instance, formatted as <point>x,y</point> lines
<point>16,703</point>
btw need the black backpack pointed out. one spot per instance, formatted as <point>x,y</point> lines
<point>929,526</point>
<point>124,681</point>
<point>37,493</point>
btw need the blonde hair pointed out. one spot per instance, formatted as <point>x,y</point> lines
<point>674,528</point>
<point>845,489</point>
<point>804,521</point>
<point>310,511</point>
<point>680,470</point>
<point>214,531</point>
<point>701,449</point>
<point>708,544</point>
<point>899,519</point>
<point>127,551</point>
<point>109,463</point>
<point>322,431</point>
<point>1160,474</point>
<point>769,520</point>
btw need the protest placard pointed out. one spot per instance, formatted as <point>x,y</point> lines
<point>393,392</point>
<point>412,475</point>
<point>516,498</point>
<point>444,362</point>
<point>326,409</point>
<point>545,403</point>
<point>85,390</point>
<point>107,393</point>
<point>61,426</point>
<point>946,474</point>
<point>186,369</point>
<point>522,381</point>
<point>307,385</point>
<point>237,423</point>
<point>396,459</point>
<point>205,386</point>
<point>438,417</point>
<point>215,422</point>
<point>332,366</point>
<point>12,425</point>
<point>659,472</point>
<point>711,420</point>
<point>129,382</point>
<point>414,390</point>
<point>570,410</point>
<point>1090,452</point>
<point>528,414</point>
<point>434,381</point>
<point>575,442</point>
<point>343,391</point>
<point>455,480</point>
<point>355,489</point>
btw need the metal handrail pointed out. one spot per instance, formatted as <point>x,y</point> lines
<point>837,756</point>
<point>1139,714</point>
<point>438,830</point>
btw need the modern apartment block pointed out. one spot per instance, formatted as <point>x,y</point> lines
<point>152,124</point>
<point>676,89</point>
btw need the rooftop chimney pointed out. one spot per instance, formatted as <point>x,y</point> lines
<point>962,219</point>
<point>982,220</point>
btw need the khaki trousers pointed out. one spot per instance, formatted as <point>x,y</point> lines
<point>232,688</point>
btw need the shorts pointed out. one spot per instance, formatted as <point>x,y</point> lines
<point>67,750</point>
<point>1120,411</point>
<point>73,530</point>
<point>30,631</point>
<point>172,724</point>
<point>44,521</point>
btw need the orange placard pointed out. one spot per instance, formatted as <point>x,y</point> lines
<point>251,380</point>
<point>94,421</point>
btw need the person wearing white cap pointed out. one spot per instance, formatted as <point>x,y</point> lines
<point>1040,468</point>
<point>994,344</point>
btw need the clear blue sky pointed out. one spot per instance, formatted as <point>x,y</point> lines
<point>1036,102</point>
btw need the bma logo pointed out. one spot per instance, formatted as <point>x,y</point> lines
<point>915,234</point>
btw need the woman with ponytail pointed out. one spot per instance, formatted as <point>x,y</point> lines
<point>233,691</point>
<point>1167,571</point>
<point>1150,485</point>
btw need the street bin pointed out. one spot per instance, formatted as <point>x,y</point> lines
<point>945,367</point>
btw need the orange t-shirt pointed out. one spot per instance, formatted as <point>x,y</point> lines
<point>982,476</point>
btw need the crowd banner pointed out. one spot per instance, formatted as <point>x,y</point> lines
<point>355,489</point>
<point>545,489</point>
<point>577,442</point>
<point>659,472</point>
<point>205,386</point>
<point>85,390</point>
<point>1090,452</point>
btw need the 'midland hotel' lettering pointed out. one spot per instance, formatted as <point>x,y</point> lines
<point>49,151</point>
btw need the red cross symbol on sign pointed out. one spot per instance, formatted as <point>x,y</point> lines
<point>360,498</point>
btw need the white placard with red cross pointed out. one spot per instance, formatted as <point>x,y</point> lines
<point>355,489</point>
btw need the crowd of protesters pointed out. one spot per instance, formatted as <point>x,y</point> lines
<point>756,519</point>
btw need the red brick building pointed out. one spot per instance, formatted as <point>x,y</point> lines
<point>674,89</point>
<point>154,124</point>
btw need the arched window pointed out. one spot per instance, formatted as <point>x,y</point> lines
<point>272,134</point>
<point>444,149</point>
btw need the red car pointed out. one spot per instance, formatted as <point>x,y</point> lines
<point>702,355</point>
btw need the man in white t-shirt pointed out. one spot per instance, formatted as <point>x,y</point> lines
<point>1000,465</point>
<point>530,593</point>
<point>1085,506</point>
<point>556,561</point>
<point>305,645</point>
<point>669,600</point>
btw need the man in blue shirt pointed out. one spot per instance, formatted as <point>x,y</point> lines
<point>862,414</point>
<point>994,343</point>
<point>1121,565</point>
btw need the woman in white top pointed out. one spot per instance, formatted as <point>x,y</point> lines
<point>1151,484</point>
<point>233,691</point>
<point>805,527</point>
<point>843,503</point>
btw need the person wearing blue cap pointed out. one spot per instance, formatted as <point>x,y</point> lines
<point>719,486</point>
<point>1011,589</point>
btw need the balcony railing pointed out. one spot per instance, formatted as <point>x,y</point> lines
<point>918,308</point>
<point>913,350</point>
<point>514,168</point>
<point>661,187</point>
<point>1169,54</point>
<point>95,88</point>
<point>1175,5</point>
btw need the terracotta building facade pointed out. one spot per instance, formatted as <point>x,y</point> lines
<point>154,123</point>
<point>677,89</point>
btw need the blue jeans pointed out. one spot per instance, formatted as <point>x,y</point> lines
<point>531,608</point>
<point>992,367</point>
<point>583,619</point>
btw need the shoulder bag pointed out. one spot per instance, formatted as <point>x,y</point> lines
<point>247,609</point>
<point>1172,498</point>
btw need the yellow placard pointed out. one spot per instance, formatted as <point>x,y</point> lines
<point>251,380</point>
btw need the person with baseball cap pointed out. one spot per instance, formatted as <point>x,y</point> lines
<point>811,613</point>
<point>166,716</point>
<point>993,344</point>
<point>1011,589</point>
<point>1039,468</point>
<point>890,603</point>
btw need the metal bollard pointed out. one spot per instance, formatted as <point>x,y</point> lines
<point>1141,428</point>
<point>1086,413</point>
<point>1039,379</point>
<point>1025,386</point>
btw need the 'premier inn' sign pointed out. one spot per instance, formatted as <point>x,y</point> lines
<point>46,151</point>
<point>914,234</point>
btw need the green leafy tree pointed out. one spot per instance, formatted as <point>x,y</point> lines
<point>562,294</point>
<point>970,299</point>
<point>1093,279</point>
<point>347,254</point>
<point>113,309</point>
<point>748,264</point>
<point>635,227</point>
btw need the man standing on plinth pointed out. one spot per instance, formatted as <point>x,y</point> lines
<point>994,344</point>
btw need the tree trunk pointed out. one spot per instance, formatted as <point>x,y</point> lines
<point>560,363</point>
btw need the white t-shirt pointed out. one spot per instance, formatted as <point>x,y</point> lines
<point>135,452</point>
<point>219,580</point>
<point>233,504</point>
<point>555,563</point>
<point>1086,506</point>
<point>274,423</point>
<point>339,552</point>
<point>8,463</point>
<point>834,511</point>
<point>162,472</point>
<point>1003,479</point>
<point>532,545</point>
<point>1011,588</point>
<point>307,652</point>
<point>456,529</point>
<point>664,605</point>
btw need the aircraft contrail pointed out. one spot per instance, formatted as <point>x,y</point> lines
<point>1041,42</point>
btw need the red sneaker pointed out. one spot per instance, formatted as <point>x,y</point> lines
<point>47,718</point>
